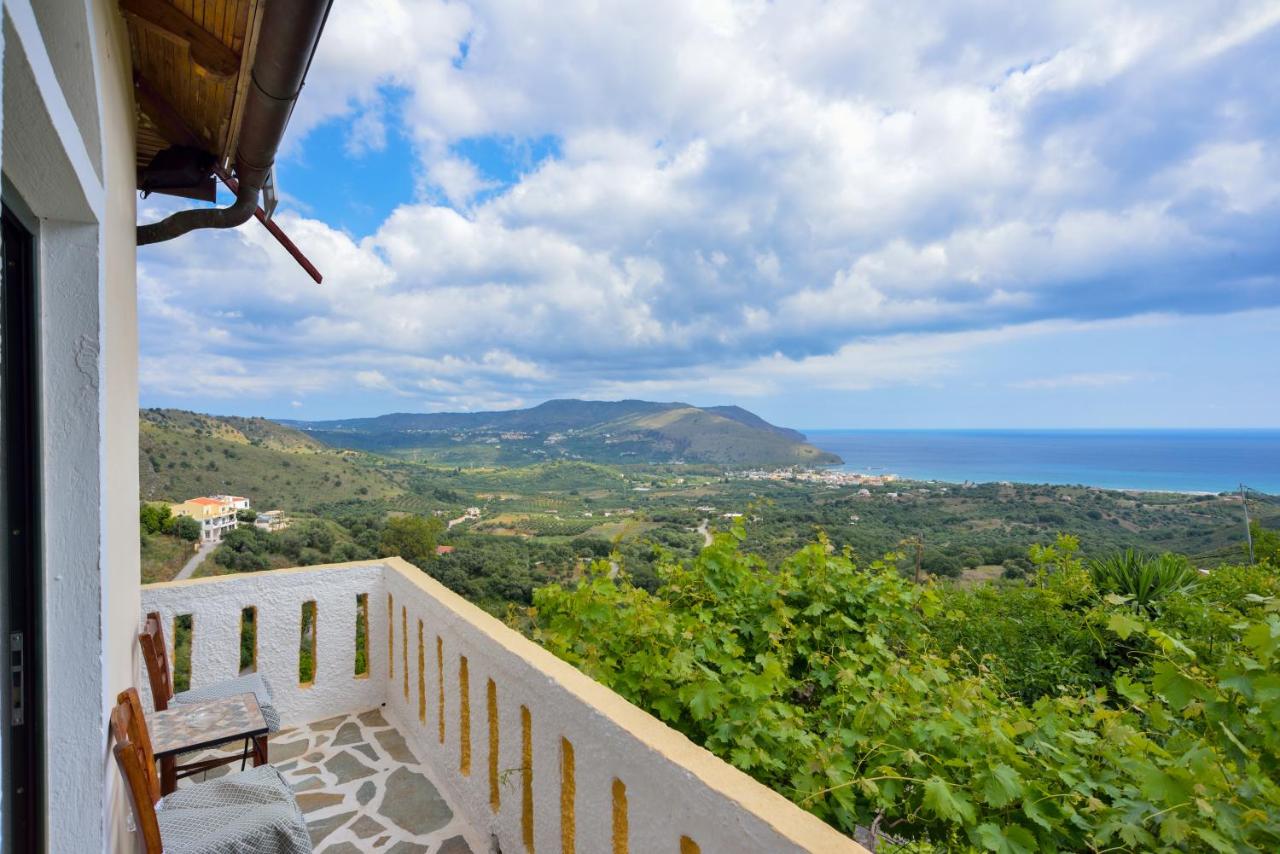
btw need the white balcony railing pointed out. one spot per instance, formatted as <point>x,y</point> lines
<point>533,751</point>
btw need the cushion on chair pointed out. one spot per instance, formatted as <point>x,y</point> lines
<point>252,812</point>
<point>250,683</point>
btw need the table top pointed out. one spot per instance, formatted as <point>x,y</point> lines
<point>192,726</point>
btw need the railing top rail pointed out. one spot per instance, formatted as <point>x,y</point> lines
<point>261,573</point>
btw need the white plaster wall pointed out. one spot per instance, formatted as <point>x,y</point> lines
<point>118,389</point>
<point>43,149</point>
<point>45,157</point>
<point>65,29</point>
<point>68,142</point>
<point>216,603</point>
<point>74,688</point>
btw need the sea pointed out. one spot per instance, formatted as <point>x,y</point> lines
<point>1156,460</point>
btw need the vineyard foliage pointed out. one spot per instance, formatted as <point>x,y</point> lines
<point>1045,715</point>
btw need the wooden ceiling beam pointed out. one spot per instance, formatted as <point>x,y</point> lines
<point>206,49</point>
<point>163,115</point>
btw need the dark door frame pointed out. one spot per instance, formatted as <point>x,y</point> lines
<point>20,550</point>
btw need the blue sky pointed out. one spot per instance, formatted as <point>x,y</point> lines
<point>834,214</point>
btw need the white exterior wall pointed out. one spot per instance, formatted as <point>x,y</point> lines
<point>212,528</point>
<point>215,605</point>
<point>68,152</point>
<point>118,395</point>
<point>674,788</point>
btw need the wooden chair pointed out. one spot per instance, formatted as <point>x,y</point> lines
<point>138,765</point>
<point>156,656</point>
<point>277,817</point>
<point>155,653</point>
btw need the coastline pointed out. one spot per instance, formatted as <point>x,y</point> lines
<point>1129,490</point>
<point>1180,462</point>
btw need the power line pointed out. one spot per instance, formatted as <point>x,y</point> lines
<point>1259,495</point>
<point>1248,529</point>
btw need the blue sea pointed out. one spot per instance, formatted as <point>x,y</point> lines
<point>1168,460</point>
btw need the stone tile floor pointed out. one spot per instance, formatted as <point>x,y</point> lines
<point>362,789</point>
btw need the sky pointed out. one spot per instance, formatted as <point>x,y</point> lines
<point>835,214</point>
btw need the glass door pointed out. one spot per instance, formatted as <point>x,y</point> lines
<point>21,740</point>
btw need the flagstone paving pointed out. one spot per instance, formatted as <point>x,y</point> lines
<point>362,789</point>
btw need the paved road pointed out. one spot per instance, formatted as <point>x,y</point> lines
<point>190,566</point>
<point>707,539</point>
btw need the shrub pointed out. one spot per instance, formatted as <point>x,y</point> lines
<point>820,678</point>
<point>1031,639</point>
<point>153,517</point>
<point>1143,579</point>
<point>245,549</point>
<point>1266,544</point>
<point>412,538</point>
<point>183,527</point>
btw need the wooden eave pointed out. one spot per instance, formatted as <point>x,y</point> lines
<point>191,66</point>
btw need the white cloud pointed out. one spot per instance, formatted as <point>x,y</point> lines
<point>1245,175</point>
<point>368,133</point>
<point>1101,379</point>
<point>458,179</point>
<point>742,193</point>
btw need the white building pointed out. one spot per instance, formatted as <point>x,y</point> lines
<point>271,520</point>
<point>215,513</point>
<point>236,502</point>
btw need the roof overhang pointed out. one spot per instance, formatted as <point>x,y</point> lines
<point>192,71</point>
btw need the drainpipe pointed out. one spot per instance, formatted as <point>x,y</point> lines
<point>286,43</point>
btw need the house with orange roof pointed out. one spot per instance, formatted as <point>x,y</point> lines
<point>216,514</point>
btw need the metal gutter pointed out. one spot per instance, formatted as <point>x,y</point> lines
<point>286,45</point>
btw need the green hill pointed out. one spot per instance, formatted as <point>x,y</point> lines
<point>184,454</point>
<point>623,431</point>
<point>700,435</point>
<point>233,428</point>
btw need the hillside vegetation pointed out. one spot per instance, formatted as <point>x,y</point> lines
<point>1059,714</point>
<point>259,432</point>
<point>619,432</point>
<point>183,455</point>
<point>694,434</point>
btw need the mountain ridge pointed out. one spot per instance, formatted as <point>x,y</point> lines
<point>597,430</point>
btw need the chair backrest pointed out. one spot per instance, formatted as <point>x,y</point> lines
<point>156,656</point>
<point>129,725</point>
<point>137,766</point>
<point>129,758</point>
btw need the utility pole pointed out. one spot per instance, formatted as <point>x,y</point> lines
<point>1248,532</point>
<point>916,542</point>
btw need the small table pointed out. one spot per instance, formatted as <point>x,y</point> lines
<point>196,726</point>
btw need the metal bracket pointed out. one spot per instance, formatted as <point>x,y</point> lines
<point>269,195</point>
<point>16,675</point>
